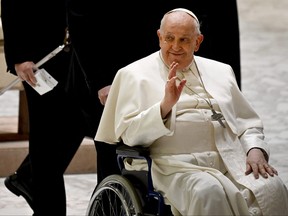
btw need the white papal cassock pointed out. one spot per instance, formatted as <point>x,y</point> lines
<point>193,157</point>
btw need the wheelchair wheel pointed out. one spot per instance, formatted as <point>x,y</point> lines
<point>115,196</point>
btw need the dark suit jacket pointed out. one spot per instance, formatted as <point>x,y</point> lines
<point>31,36</point>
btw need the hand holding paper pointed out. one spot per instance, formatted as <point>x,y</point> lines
<point>45,82</point>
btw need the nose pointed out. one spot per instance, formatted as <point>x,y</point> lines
<point>176,45</point>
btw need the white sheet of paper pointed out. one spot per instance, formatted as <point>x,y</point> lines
<point>45,82</point>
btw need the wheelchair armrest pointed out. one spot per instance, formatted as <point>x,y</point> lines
<point>135,151</point>
<point>124,151</point>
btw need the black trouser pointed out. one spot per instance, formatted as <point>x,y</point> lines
<point>57,128</point>
<point>56,132</point>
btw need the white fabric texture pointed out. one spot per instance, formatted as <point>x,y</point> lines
<point>190,155</point>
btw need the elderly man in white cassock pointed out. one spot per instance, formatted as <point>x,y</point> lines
<point>206,141</point>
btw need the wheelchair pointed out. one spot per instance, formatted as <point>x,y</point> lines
<point>128,194</point>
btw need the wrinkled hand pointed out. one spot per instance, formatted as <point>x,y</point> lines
<point>103,94</point>
<point>172,91</point>
<point>257,164</point>
<point>25,72</point>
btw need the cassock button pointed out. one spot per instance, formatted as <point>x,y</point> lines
<point>255,211</point>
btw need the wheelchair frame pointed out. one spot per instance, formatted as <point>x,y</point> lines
<point>129,194</point>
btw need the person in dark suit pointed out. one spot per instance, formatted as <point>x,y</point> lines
<point>86,83</point>
<point>57,121</point>
<point>53,136</point>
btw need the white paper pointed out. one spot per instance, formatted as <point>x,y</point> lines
<point>45,82</point>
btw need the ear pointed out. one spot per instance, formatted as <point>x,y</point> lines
<point>159,34</point>
<point>199,40</point>
<point>160,38</point>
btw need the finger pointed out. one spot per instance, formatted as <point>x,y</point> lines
<point>255,170</point>
<point>31,80</point>
<point>181,85</point>
<point>172,70</point>
<point>262,170</point>
<point>172,80</point>
<point>102,101</point>
<point>173,64</point>
<point>271,171</point>
<point>274,171</point>
<point>248,169</point>
<point>31,77</point>
<point>35,68</point>
<point>23,76</point>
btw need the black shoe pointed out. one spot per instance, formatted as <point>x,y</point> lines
<point>19,188</point>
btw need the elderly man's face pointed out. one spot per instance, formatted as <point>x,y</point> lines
<point>179,39</point>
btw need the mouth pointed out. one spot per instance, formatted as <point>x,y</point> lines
<point>176,54</point>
